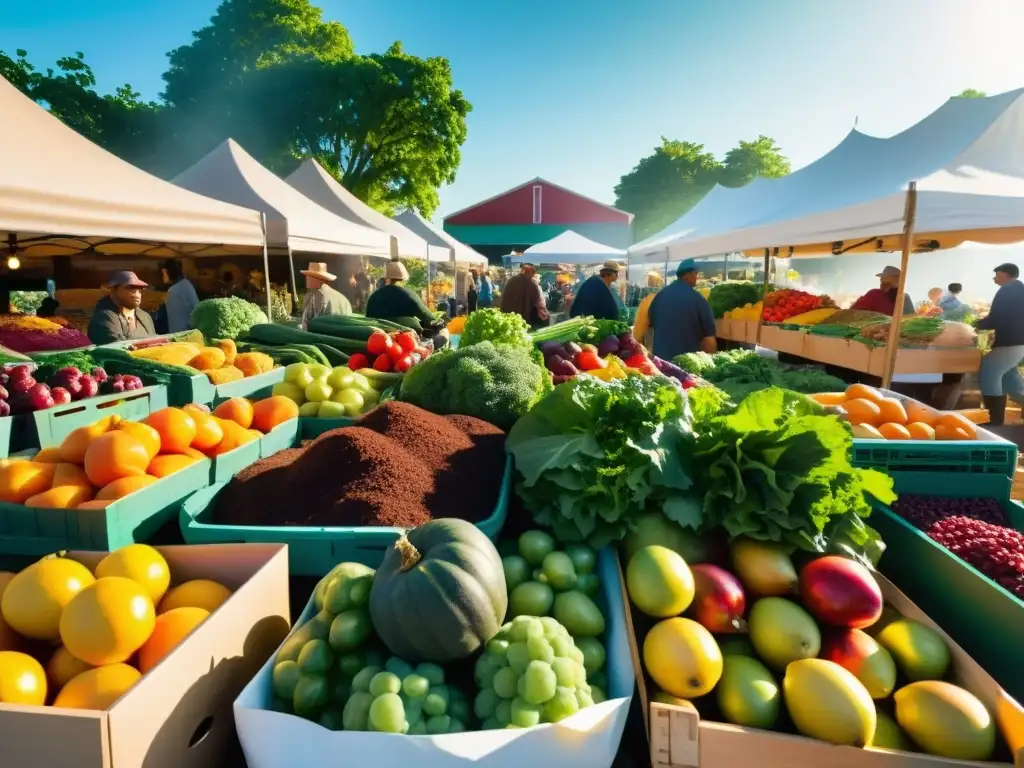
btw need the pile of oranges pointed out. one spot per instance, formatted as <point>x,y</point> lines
<point>78,639</point>
<point>875,416</point>
<point>111,458</point>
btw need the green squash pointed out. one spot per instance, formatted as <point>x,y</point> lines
<point>440,593</point>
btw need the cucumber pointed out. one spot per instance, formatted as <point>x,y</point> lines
<point>279,335</point>
<point>357,331</point>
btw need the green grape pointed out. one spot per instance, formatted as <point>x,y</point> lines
<point>387,713</point>
<point>484,704</point>
<point>506,683</point>
<point>315,657</point>
<point>524,714</point>
<point>593,653</point>
<point>415,686</point>
<point>486,666</point>
<point>534,546</point>
<point>385,682</point>
<point>458,708</point>
<point>562,705</point>
<point>497,646</point>
<point>417,728</point>
<point>400,668</point>
<point>561,645</point>
<point>490,724</point>
<point>361,682</point>
<point>540,649</point>
<point>584,698</point>
<point>559,570</point>
<point>280,705</point>
<point>584,559</point>
<point>372,657</point>
<point>286,676</point>
<point>521,628</point>
<point>598,694</point>
<point>357,711</point>
<point>599,679</point>
<point>518,656</point>
<point>433,673</point>
<point>341,689</point>
<point>436,702</point>
<point>539,682</point>
<point>311,694</point>
<point>350,663</point>
<point>332,719</point>
<point>456,726</point>
<point>438,724</point>
<point>566,671</point>
<point>503,712</point>
<point>413,712</point>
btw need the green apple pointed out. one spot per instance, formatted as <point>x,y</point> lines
<point>360,383</point>
<point>340,378</point>
<point>291,391</point>
<point>309,409</point>
<point>294,371</point>
<point>352,400</point>
<point>319,371</point>
<point>318,391</point>
<point>370,398</point>
<point>331,410</point>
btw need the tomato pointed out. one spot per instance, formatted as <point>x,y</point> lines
<point>407,341</point>
<point>357,361</point>
<point>589,361</point>
<point>395,352</point>
<point>378,343</point>
<point>382,363</point>
<point>635,361</point>
<point>423,352</point>
<point>404,364</point>
<point>648,368</point>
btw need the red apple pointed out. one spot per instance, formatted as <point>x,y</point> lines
<point>718,599</point>
<point>89,386</point>
<point>60,396</point>
<point>859,653</point>
<point>841,592</point>
<point>22,384</point>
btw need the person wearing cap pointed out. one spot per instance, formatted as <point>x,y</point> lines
<point>321,299</point>
<point>523,296</point>
<point>393,300</point>
<point>883,298</point>
<point>1000,368</point>
<point>594,297</point>
<point>680,318</point>
<point>181,297</point>
<point>118,315</point>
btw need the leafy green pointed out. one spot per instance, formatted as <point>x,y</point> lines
<point>226,318</point>
<point>741,372</point>
<point>730,295</point>
<point>497,327</point>
<point>593,455</point>
<point>778,469</point>
<point>597,331</point>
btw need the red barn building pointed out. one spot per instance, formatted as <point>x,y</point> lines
<point>534,212</point>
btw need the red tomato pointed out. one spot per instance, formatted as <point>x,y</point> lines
<point>378,343</point>
<point>648,368</point>
<point>404,364</point>
<point>357,361</point>
<point>407,341</point>
<point>589,361</point>
<point>382,363</point>
<point>635,361</point>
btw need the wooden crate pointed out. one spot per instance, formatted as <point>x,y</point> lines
<point>967,360</point>
<point>781,340</point>
<point>844,353</point>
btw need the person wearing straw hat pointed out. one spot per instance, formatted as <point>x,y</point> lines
<point>321,299</point>
<point>119,316</point>
<point>393,300</point>
<point>595,298</point>
<point>883,298</point>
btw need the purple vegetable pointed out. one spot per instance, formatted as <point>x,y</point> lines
<point>608,346</point>
<point>549,348</point>
<point>573,349</point>
<point>670,369</point>
<point>559,366</point>
<point>562,379</point>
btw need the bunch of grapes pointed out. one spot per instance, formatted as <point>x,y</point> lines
<point>995,550</point>
<point>531,672</point>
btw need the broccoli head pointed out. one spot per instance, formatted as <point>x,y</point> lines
<point>494,382</point>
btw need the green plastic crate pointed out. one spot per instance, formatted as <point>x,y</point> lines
<point>229,464</point>
<point>54,424</point>
<point>981,616</point>
<point>314,551</point>
<point>183,390</point>
<point>37,532</point>
<point>6,426</point>
<point>311,426</point>
<point>253,387</point>
<point>280,437</point>
<point>961,457</point>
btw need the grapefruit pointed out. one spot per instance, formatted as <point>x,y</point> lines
<point>97,688</point>
<point>140,563</point>
<point>34,599</point>
<point>171,628</point>
<point>199,593</point>
<point>107,621</point>
<point>22,679</point>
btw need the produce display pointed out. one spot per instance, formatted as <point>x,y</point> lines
<point>222,362</point>
<point>331,393</point>
<point>875,416</point>
<point>400,466</point>
<point>26,388</point>
<point>497,327</point>
<point>750,641</point>
<point>226,318</point>
<point>731,295</point>
<point>746,312</point>
<point>742,371</point>
<point>872,329</point>
<point>397,351</point>
<point>77,638</point>
<point>781,305</point>
<point>28,333</point>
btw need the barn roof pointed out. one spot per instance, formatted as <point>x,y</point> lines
<point>529,183</point>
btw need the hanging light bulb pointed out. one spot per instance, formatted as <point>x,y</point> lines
<point>13,262</point>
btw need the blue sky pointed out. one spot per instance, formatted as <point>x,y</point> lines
<point>576,91</point>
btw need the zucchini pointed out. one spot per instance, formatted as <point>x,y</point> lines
<point>409,323</point>
<point>279,335</point>
<point>357,331</point>
<point>284,355</point>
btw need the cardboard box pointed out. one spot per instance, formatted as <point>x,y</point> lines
<point>180,714</point>
<point>680,739</point>
<point>781,340</point>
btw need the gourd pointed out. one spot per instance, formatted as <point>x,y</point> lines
<point>440,593</point>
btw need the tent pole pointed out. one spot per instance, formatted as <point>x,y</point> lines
<point>266,260</point>
<point>893,343</point>
<point>295,284</point>
<point>666,268</point>
<point>764,292</point>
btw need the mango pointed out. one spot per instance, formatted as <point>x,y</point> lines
<point>945,720</point>
<point>828,703</point>
<point>682,658</point>
<point>659,582</point>
<point>764,569</point>
<point>747,693</point>
<point>919,651</point>
<point>888,735</point>
<point>782,632</point>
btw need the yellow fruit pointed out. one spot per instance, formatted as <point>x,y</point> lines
<point>22,679</point>
<point>199,593</point>
<point>945,720</point>
<point>97,688</point>
<point>660,583</point>
<point>108,621</point>
<point>171,628</point>
<point>888,735</point>
<point>765,569</point>
<point>140,563</point>
<point>919,651</point>
<point>63,666</point>
<point>682,658</point>
<point>827,702</point>
<point>35,598</point>
<point>782,632</point>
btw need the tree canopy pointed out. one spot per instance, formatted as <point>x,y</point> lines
<point>286,85</point>
<point>972,93</point>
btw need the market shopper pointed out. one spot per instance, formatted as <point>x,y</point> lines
<point>523,296</point>
<point>472,292</point>
<point>321,299</point>
<point>485,290</point>
<point>118,316</point>
<point>883,298</point>
<point>181,297</point>
<point>595,296</point>
<point>394,300</point>
<point>681,318</point>
<point>950,304</point>
<point>1000,373</point>
<point>641,323</point>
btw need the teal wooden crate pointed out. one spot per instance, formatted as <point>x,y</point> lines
<point>252,387</point>
<point>280,437</point>
<point>36,532</point>
<point>183,390</point>
<point>314,551</point>
<point>6,426</point>
<point>54,424</point>
<point>312,426</point>
<point>981,616</point>
<point>960,457</point>
<point>229,464</point>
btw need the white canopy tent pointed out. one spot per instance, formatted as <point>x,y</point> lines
<point>436,236</point>
<point>569,248</point>
<point>62,195</point>
<point>967,159</point>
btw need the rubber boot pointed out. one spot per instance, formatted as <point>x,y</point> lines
<point>996,406</point>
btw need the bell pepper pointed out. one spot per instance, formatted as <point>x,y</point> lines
<point>606,374</point>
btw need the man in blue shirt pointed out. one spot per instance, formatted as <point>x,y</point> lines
<point>1000,375</point>
<point>681,319</point>
<point>594,297</point>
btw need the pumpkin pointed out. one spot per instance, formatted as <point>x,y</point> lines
<point>440,593</point>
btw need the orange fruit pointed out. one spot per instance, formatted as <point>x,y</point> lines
<point>237,409</point>
<point>107,621</point>
<point>193,453</point>
<point>96,504</point>
<point>63,666</point>
<point>171,628</point>
<point>829,398</point>
<point>35,598</point>
<point>22,679</point>
<point>61,497</point>
<point>863,392</point>
<point>21,479</point>
<point>272,411</point>
<point>176,427</point>
<point>235,436</point>
<point>71,474</point>
<point>97,688</point>
<point>199,593</point>
<point>919,412</point>
<point>892,411</point>
<point>8,637</point>
<point>867,432</point>
<point>124,486</point>
<point>946,432</point>
<point>956,420</point>
<point>48,456</point>
<point>168,463</point>
<point>74,446</point>
<point>920,431</point>
<point>145,434</point>
<point>142,564</point>
<point>114,455</point>
<point>208,429</point>
<point>860,411</point>
<point>893,431</point>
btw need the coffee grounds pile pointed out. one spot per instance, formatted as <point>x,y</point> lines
<point>400,466</point>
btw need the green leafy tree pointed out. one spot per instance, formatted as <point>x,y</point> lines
<point>972,93</point>
<point>761,157</point>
